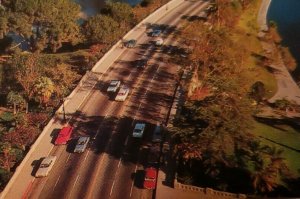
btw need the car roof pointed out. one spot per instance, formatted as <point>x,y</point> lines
<point>65,130</point>
<point>139,125</point>
<point>83,138</point>
<point>114,81</point>
<point>151,172</point>
<point>48,159</point>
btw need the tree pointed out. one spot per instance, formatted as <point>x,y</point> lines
<point>120,12</point>
<point>54,21</point>
<point>102,29</point>
<point>62,77</point>
<point>43,89</point>
<point>16,99</point>
<point>27,72</point>
<point>268,171</point>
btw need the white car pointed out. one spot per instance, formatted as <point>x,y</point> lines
<point>113,86</point>
<point>138,130</point>
<point>122,94</point>
<point>45,166</point>
<point>81,144</point>
<point>159,42</point>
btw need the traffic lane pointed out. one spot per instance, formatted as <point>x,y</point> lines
<point>102,184</point>
<point>62,169</point>
<point>111,71</point>
<point>98,148</point>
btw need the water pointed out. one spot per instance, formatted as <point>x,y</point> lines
<point>92,7</point>
<point>286,14</point>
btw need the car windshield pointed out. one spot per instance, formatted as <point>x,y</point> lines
<point>45,165</point>
<point>137,130</point>
<point>82,142</point>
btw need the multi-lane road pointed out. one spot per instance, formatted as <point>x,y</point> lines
<point>113,164</point>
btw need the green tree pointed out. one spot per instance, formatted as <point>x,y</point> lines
<point>16,99</point>
<point>55,22</point>
<point>120,12</point>
<point>43,89</point>
<point>102,29</point>
<point>63,78</point>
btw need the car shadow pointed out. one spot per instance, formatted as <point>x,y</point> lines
<point>35,166</point>
<point>54,135</point>
<point>138,177</point>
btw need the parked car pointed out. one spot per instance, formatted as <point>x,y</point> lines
<point>141,63</point>
<point>45,166</point>
<point>81,144</point>
<point>138,130</point>
<point>122,94</point>
<point>150,178</point>
<point>113,85</point>
<point>130,43</point>
<point>156,33</point>
<point>157,133</point>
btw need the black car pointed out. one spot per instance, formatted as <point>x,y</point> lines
<point>141,63</point>
<point>131,43</point>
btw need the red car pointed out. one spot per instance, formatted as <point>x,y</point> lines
<point>64,135</point>
<point>150,178</point>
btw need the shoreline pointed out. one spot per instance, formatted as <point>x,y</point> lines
<point>262,15</point>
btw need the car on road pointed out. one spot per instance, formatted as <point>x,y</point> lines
<point>122,94</point>
<point>153,155</point>
<point>150,178</point>
<point>156,33</point>
<point>64,135</point>
<point>113,86</point>
<point>141,63</point>
<point>138,130</point>
<point>159,42</point>
<point>81,144</point>
<point>130,43</point>
<point>156,137</point>
<point>45,166</point>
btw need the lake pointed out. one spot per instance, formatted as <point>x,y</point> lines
<point>286,14</point>
<point>92,7</point>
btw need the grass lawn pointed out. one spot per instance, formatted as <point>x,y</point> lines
<point>246,36</point>
<point>283,137</point>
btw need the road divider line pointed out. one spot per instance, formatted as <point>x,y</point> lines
<point>119,162</point>
<point>56,182</point>
<point>74,185</point>
<point>68,157</point>
<point>112,187</point>
<point>131,188</point>
<point>86,155</point>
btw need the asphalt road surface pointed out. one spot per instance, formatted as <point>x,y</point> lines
<point>113,164</point>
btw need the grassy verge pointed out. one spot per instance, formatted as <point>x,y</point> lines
<point>247,37</point>
<point>283,137</point>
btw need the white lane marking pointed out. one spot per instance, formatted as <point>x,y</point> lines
<point>119,162</point>
<point>131,188</point>
<point>136,166</point>
<point>74,184</point>
<point>50,150</point>
<point>68,157</point>
<point>56,182</point>
<point>112,187</point>
<point>126,141</point>
<point>86,156</point>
